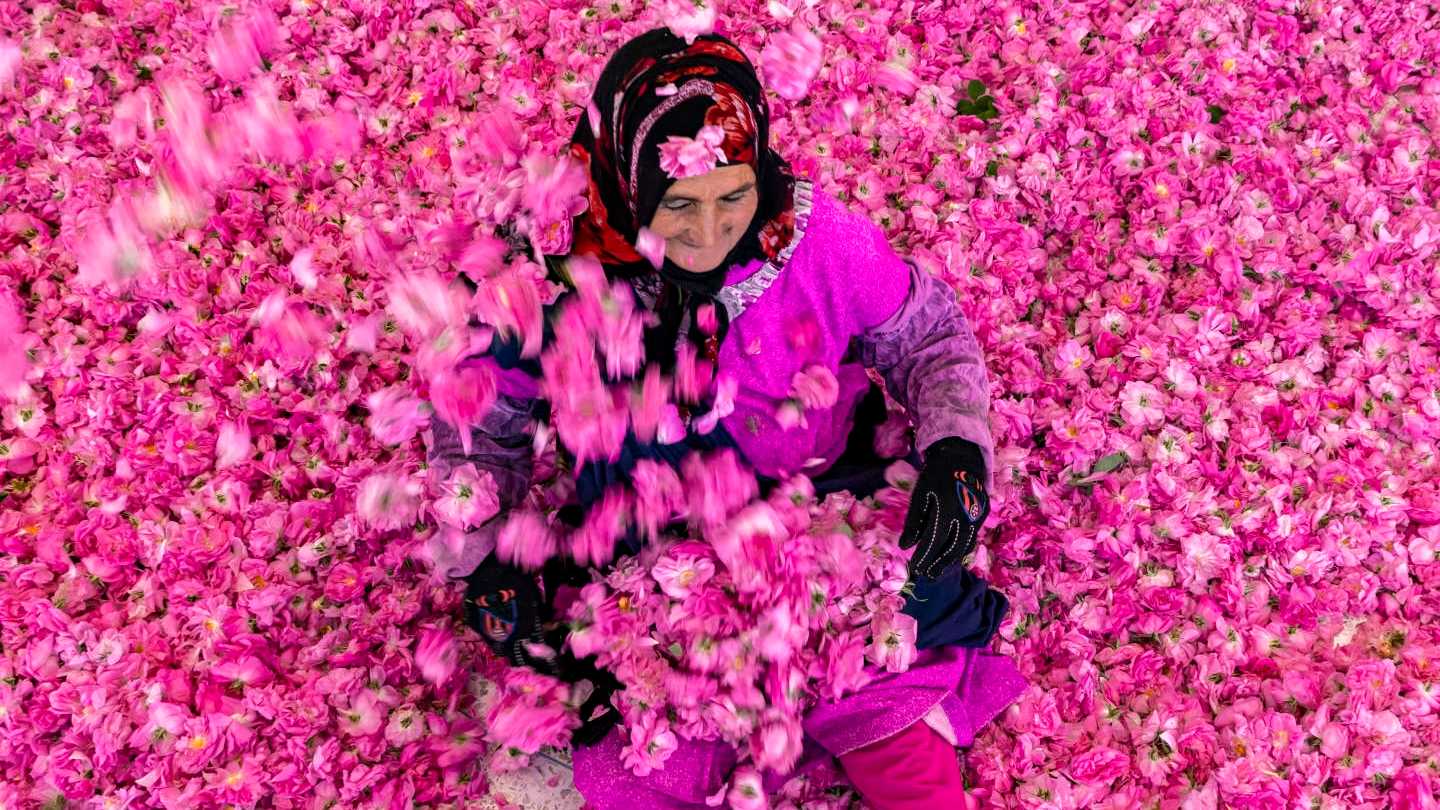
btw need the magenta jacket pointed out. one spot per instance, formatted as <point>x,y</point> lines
<point>839,296</point>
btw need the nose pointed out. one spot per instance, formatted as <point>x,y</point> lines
<point>708,229</point>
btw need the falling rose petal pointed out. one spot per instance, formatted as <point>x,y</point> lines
<point>462,396</point>
<point>499,136</point>
<point>363,334</point>
<point>437,654</point>
<point>483,257</point>
<point>14,364</point>
<point>707,319</point>
<point>526,541</point>
<point>232,445</point>
<point>723,404</point>
<point>897,78</point>
<point>779,11</point>
<point>395,415</point>
<point>114,250</point>
<point>815,387</point>
<point>233,53</point>
<point>9,62</point>
<point>287,330</point>
<point>791,61</point>
<point>688,19</point>
<point>554,187</point>
<point>425,305</point>
<point>302,269</point>
<point>388,501</point>
<point>652,246</point>
<point>510,302</point>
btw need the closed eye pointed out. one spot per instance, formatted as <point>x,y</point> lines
<point>681,205</point>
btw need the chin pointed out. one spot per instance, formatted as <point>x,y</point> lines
<point>696,266</point>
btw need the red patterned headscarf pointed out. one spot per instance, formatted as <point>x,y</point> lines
<point>655,87</point>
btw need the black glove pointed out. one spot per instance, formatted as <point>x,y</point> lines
<point>597,715</point>
<point>947,507</point>
<point>503,604</point>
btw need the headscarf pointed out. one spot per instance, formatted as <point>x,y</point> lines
<point>654,87</point>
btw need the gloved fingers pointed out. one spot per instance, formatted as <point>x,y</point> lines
<point>919,518</point>
<point>972,534</point>
<point>943,552</point>
<point>597,714</point>
<point>931,539</point>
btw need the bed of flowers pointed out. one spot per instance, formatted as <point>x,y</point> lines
<point>1198,241</point>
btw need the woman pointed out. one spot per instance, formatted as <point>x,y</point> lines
<point>794,282</point>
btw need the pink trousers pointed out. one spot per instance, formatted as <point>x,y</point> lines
<point>916,769</point>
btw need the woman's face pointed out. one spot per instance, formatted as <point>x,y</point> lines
<point>702,218</point>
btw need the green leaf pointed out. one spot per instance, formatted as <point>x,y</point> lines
<point>1216,113</point>
<point>676,650</point>
<point>1110,462</point>
<point>975,89</point>
<point>992,168</point>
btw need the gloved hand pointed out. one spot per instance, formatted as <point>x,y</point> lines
<point>947,507</point>
<point>597,715</point>
<point>503,604</point>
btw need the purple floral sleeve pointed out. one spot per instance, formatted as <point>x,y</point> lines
<point>933,366</point>
<point>499,445</point>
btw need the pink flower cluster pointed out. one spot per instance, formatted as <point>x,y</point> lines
<point>733,636</point>
<point>1197,243</point>
<point>688,157</point>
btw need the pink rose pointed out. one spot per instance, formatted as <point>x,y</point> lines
<point>747,791</point>
<point>659,496</point>
<point>688,19</point>
<point>679,575</point>
<point>777,743</point>
<point>892,437</point>
<point>893,641</point>
<point>425,305</point>
<point>682,157</point>
<point>1414,790</point>
<point>815,387</point>
<point>605,524</point>
<point>651,744</point>
<point>483,257</point>
<point>287,330</point>
<point>232,445</point>
<point>554,238</point>
<point>1099,766</point>
<point>346,581</point>
<point>462,396</point>
<point>468,498</point>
